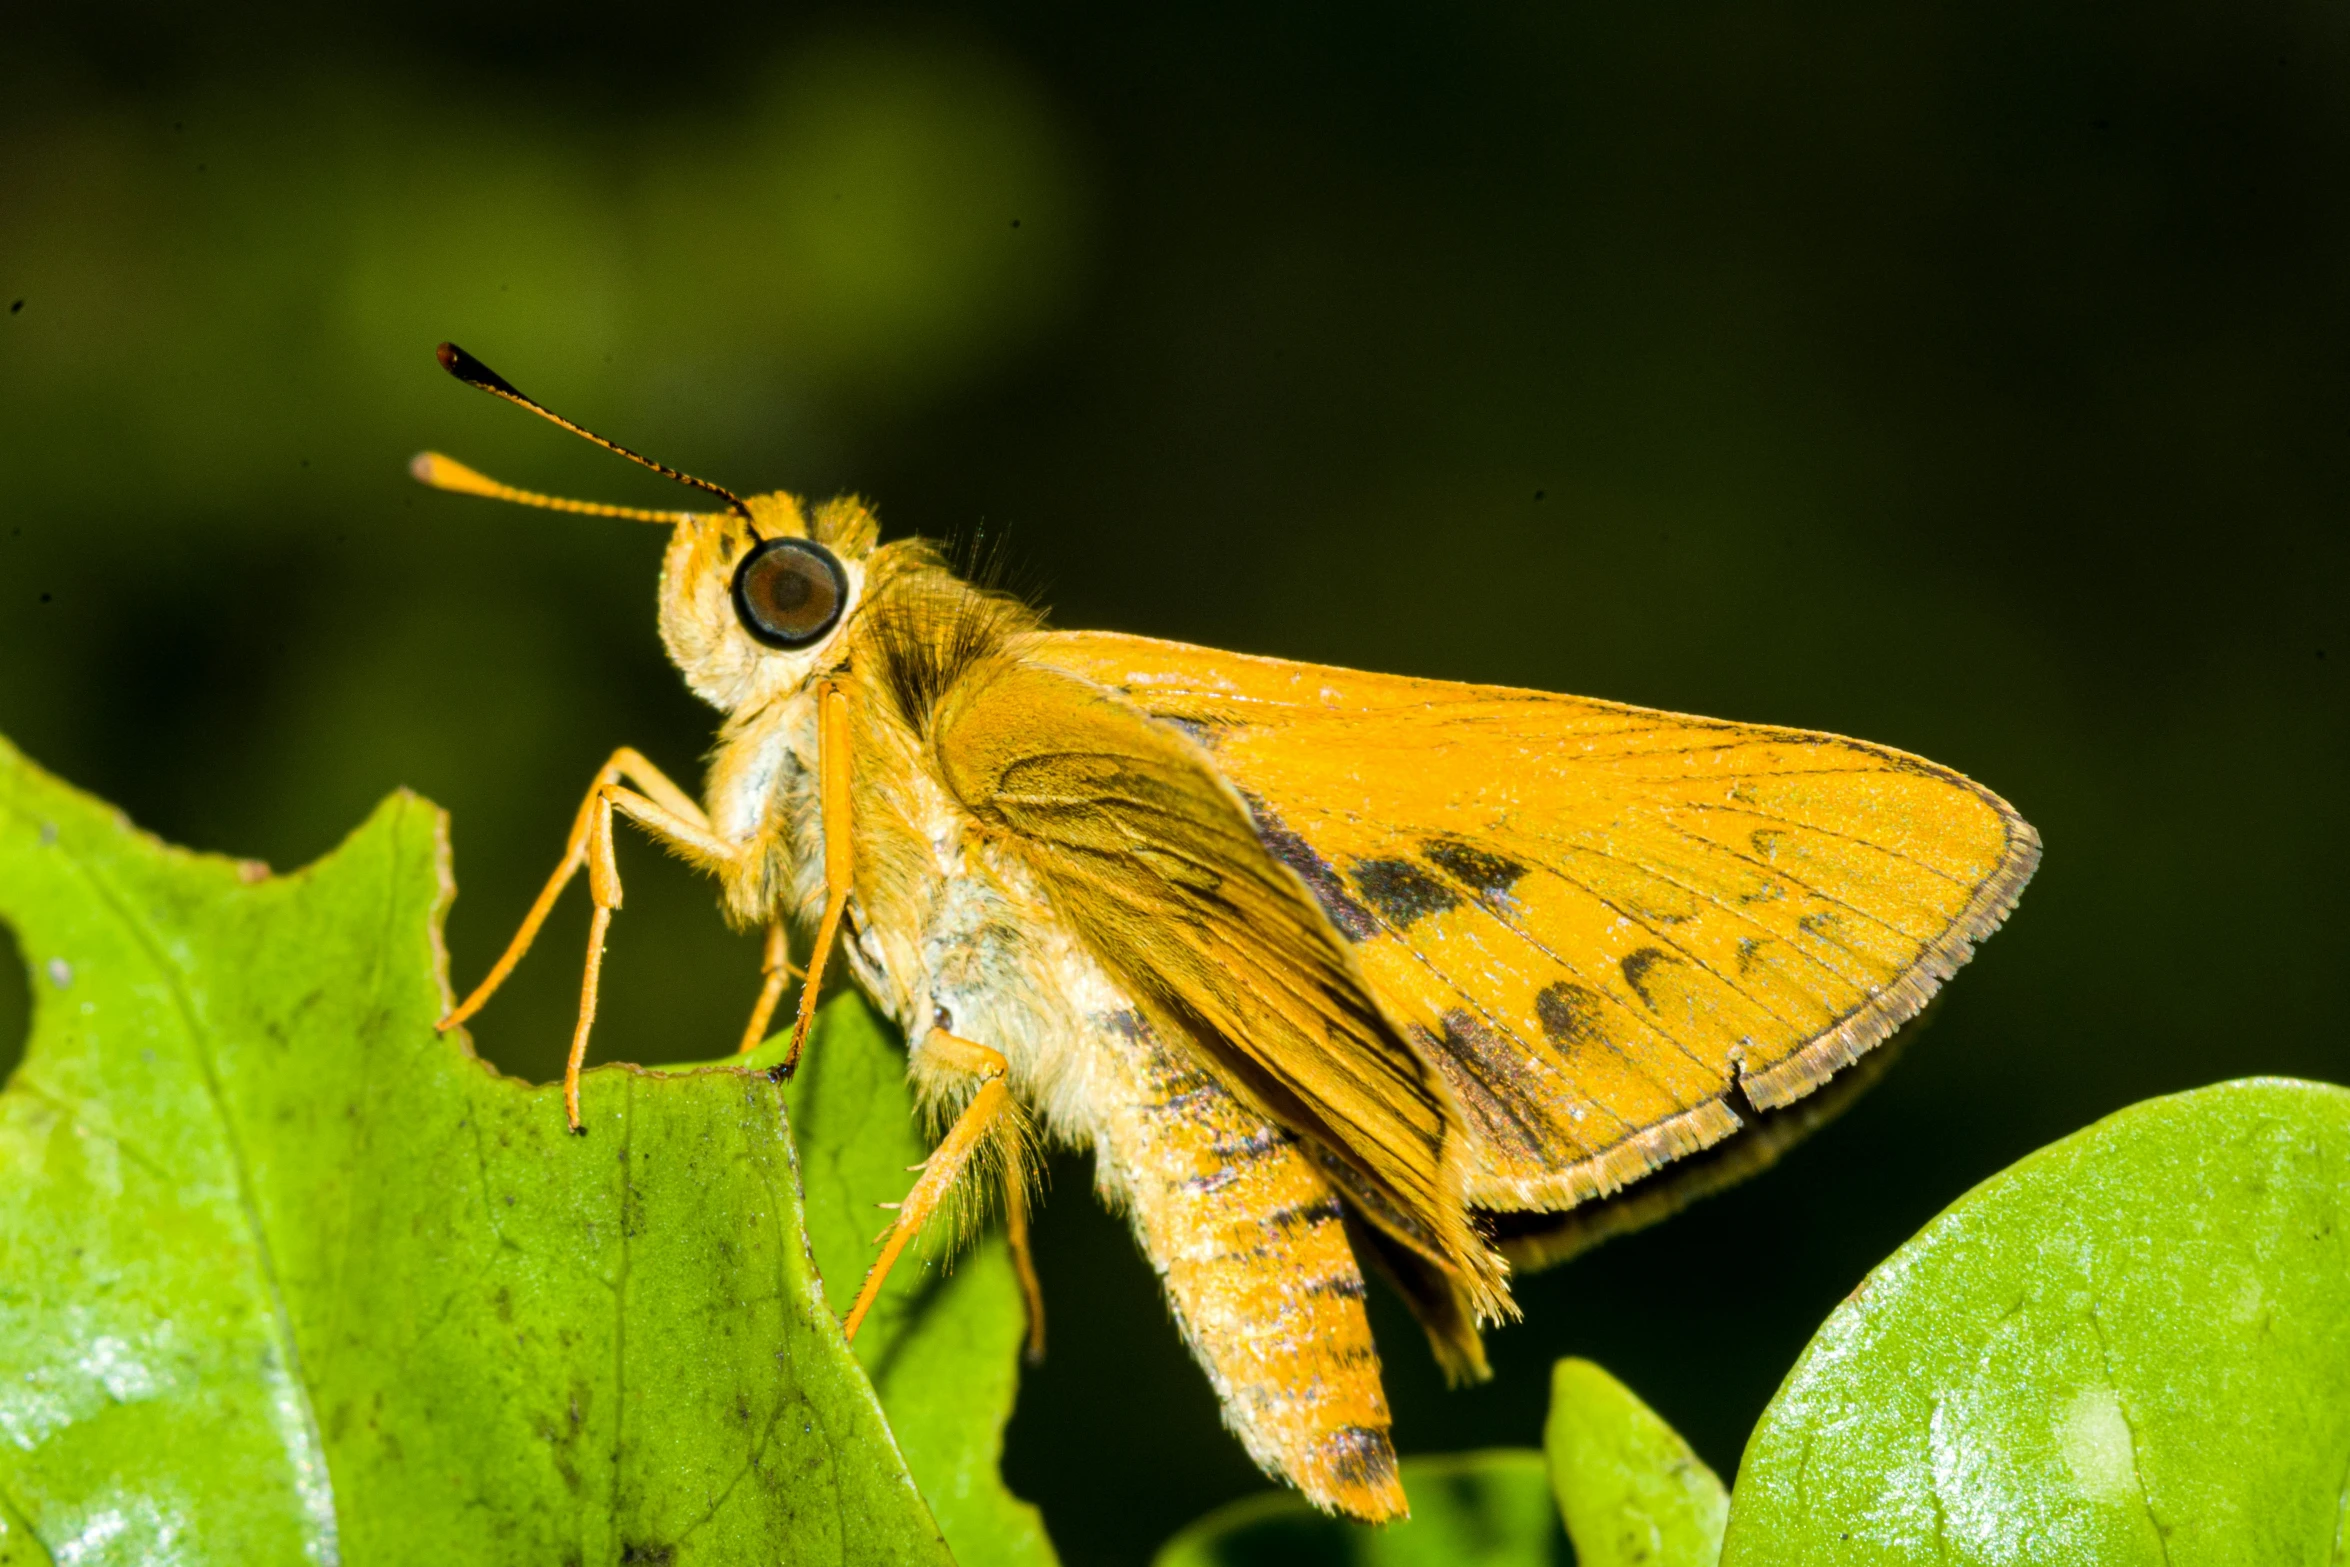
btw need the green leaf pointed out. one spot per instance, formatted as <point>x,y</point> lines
<point>942,1344</point>
<point>18,1547</point>
<point>1488,1509</point>
<point>286,1277</point>
<point>2129,1347</point>
<point>1630,1489</point>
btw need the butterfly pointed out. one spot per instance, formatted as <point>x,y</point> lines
<point>1327,969</point>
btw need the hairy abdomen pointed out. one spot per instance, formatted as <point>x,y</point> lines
<point>1249,1240</point>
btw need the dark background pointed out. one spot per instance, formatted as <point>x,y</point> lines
<point>1975,380</point>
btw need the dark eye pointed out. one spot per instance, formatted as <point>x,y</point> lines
<point>789,592</point>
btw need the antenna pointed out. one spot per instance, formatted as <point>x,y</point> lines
<point>474,373</point>
<point>446,473</point>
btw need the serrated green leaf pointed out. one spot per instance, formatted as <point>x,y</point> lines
<point>285,1276</point>
<point>2133,1346</point>
<point>1486,1509</point>
<point>1632,1492</point>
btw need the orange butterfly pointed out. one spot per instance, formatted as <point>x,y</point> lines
<point>1321,965</point>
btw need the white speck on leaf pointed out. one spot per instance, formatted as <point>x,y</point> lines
<point>2094,1437</point>
<point>110,1363</point>
<point>60,973</point>
<point>27,1418</point>
<point>93,1537</point>
<point>142,1532</point>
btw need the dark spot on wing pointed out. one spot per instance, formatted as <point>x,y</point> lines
<point>1354,922</point>
<point>1493,1078</point>
<point>1766,841</point>
<point>1748,946</point>
<point>1637,966</point>
<point>1483,872</point>
<point>1570,1013</point>
<point>1401,891</point>
<point>1359,1455</point>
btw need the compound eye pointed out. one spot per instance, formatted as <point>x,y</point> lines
<point>789,592</point>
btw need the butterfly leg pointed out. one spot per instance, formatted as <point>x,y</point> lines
<point>950,1056</point>
<point>833,759</point>
<point>1023,1261</point>
<point>665,811</point>
<point>775,967</point>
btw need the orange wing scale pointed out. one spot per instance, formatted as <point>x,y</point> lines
<point>1610,928</point>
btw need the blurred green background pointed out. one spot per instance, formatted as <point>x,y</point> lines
<point>1973,379</point>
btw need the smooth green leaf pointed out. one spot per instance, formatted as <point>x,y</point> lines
<point>285,1276</point>
<point>942,1343</point>
<point>18,1547</point>
<point>2133,1346</point>
<point>1631,1491</point>
<point>1488,1509</point>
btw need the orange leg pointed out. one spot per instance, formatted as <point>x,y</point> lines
<point>833,759</point>
<point>775,965</point>
<point>664,810</point>
<point>1023,1262</point>
<point>946,1162</point>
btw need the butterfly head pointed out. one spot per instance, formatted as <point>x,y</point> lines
<point>754,598</point>
<point>755,603</point>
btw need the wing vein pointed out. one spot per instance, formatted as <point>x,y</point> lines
<point>1847,837</point>
<point>1547,952</point>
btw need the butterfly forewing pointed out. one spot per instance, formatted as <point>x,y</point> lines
<point>1610,928</point>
